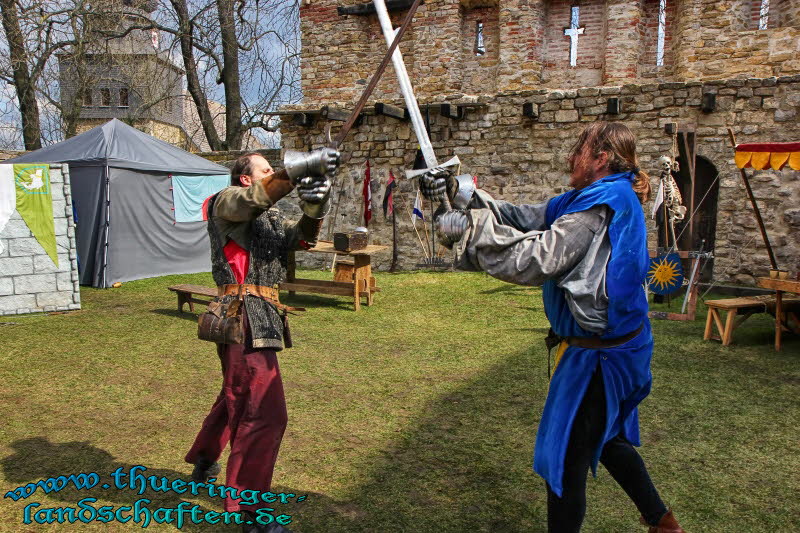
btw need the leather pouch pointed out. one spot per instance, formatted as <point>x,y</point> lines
<point>222,323</point>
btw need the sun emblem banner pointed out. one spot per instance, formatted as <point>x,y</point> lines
<point>665,274</point>
<point>35,204</point>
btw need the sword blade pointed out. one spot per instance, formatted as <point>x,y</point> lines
<point>375,78</point>
<point>405,86</point>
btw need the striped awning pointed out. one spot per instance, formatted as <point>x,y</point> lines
<point>761,156</point>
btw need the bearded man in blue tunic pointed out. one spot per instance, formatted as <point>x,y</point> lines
<point>588,250</point>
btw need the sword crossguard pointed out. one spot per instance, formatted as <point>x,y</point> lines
<point>454,161</point>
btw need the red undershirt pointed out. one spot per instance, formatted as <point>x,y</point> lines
<point>238,258</point>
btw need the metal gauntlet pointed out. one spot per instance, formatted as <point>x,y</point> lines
<point>450,227</point>
<point>435,183</point>
<point>316,163</point>
<point>314,194</point>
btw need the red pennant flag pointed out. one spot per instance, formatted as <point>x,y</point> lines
<point>367,196</point>
<point>388,197</point>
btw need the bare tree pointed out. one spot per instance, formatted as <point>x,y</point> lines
<point>240,59</point>
<point>222,43</point>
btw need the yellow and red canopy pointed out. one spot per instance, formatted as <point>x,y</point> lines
<point>761,156</point>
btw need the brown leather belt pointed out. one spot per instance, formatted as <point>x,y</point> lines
<point>596,343</point>
<point>270,294</point>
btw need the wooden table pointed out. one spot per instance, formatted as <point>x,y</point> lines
<point>779,286</point>
<point>354,279</point>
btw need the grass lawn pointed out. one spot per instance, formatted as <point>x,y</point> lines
<point>417,414</point>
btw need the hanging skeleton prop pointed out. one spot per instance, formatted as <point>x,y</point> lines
<point>669,200</point>
<point>665,275</point>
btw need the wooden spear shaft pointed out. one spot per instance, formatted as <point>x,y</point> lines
<point>755,207</point>
<point>411,219</point>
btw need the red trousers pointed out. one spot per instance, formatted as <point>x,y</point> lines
<point>250,412</point>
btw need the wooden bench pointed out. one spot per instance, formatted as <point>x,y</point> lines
<point>185,294</point>
<point>749,305</point>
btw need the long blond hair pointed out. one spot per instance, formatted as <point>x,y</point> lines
<point>618,141</point>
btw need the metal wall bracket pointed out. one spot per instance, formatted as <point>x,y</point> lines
<point>530,110</point>
<point>306,120</point>
<point>451,111</point>
<point>709,102</point>
<point>612,106</point>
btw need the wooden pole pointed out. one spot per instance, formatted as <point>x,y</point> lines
<point>690,159</point>
<point>393,267</point>
<point>755,207</point>
<point>666,221</point>
<point>428,239</point>
<point>413,225</point>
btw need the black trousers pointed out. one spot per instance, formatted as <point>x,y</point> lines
<point>619,457</point>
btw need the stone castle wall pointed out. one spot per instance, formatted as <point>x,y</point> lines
<point>527,48</point>
<point>29,281</point>
<point>523,160</point>
<point>721,39</point>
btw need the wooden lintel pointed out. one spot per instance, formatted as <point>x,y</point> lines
<point>332,113</point>
<point>390,110</point>
<point>453,111</point>
<point>369,8</point>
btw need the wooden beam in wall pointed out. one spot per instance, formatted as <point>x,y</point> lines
<point>400,113</point>
<point>369,8</point>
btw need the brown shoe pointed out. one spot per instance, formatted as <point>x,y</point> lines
<point>667,524</point>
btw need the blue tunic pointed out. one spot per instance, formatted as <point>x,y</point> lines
<point>626,368</point>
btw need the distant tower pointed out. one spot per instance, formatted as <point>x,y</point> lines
<point>126,77</point>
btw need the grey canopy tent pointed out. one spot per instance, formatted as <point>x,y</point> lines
<point>123,203</point>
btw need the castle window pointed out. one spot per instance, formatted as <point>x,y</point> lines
<point>768,14</point>
<point>480,45</point>
<point>657,26</point>
<point>86,96</point>
<point>574,43</point>
<point>105,97</point>
<point>662,32</point>
<point>123,97</point>
<point>572,32</point>
<point>480,52</point>
<point>763,15</point>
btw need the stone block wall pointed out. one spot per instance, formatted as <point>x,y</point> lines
<point>719,40</point>
<point>29,280</point>
<point>523,160</point>
<point>705,40</point>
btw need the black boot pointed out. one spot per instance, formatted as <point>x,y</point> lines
<point>204,469</point>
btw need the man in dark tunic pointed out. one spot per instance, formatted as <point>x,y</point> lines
<point>250,243</point>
